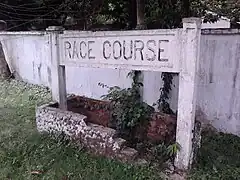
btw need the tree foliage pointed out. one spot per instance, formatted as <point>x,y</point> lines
<point>39,14</point>
<point>17,12</point>
<point>121,14</point>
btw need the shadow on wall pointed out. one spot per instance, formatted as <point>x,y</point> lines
<point>202,117</point>
<point>4,69</point>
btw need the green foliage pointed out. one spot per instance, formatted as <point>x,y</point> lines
<point>163,152</point>
<point>227,8</point>
<point>173,149</point>
<point>128,110</point>
<point>158,14</point>
<point>163,14</point>
<point>169,13</point>
<point>18,12</point>
<point>23,14</point>
<point>218,157</point>
<point>163,104</point>
<point>116,12</point>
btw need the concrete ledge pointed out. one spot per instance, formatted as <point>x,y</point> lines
<point>30,33</point>
<point>220,31</point>
<point>98,139</point>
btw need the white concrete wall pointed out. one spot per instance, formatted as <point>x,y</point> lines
<point>28,55</point>
<point>219,81</point>
<point>218,100</point>
<point>221,23</point>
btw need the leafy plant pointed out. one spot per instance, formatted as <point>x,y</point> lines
<point>173,149</point>
<point>128,111</point>
<point>162,152</point>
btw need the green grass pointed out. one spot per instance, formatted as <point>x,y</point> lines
<point>23,150</point>
<point>219,158</point>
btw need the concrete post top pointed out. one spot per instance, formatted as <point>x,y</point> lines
<point>192,23</point>
<point>55,28</point>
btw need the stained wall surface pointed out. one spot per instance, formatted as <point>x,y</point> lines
<point>218,101</point>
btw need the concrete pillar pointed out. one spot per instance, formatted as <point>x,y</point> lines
<point>187,91</point>
<point>58,85</point>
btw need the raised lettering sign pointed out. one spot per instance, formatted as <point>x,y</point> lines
<point>143,50</point>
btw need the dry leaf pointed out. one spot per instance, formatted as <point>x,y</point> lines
<point>36,172</point>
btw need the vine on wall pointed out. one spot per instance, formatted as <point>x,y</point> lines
<point>167,78</point>
<point>163,104</point>
<point>136,84</point>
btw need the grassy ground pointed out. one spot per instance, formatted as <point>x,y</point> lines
<point>23,151</point>
<point>25,155</point>
<point>219,158</point>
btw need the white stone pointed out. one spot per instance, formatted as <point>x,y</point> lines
<point>116,146</point>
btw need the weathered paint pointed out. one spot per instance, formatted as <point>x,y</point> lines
<point>218,103</point>
<point>138,50</point>
<point>27,54</point>
<point>58,72</point>
<point>221,23</point>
